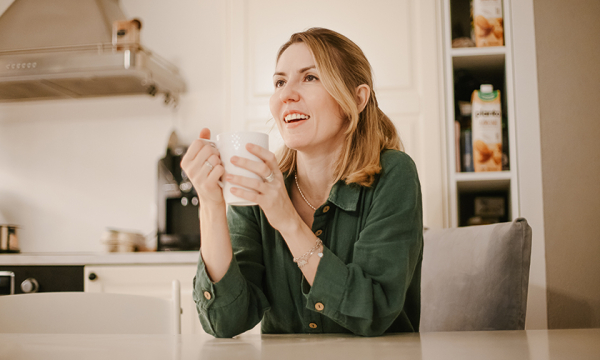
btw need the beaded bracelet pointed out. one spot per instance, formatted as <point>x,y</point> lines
<point>303,260</point>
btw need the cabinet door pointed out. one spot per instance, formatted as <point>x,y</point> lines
<point>148,280</point>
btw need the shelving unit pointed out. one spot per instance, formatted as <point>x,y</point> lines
<point>491,65</point>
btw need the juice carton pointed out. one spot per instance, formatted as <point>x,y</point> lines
<point>486,124</point>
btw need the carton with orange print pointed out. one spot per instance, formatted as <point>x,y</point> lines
<point>486,124</point>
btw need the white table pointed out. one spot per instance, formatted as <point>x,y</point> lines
<point>513,345</point>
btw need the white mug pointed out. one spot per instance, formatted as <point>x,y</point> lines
<point>234,144</point>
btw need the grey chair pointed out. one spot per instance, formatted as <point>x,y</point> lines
<point>476,277</point>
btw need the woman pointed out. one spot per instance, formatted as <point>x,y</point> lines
<point>335,243</point>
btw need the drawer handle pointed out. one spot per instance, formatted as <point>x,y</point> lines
<point>92,276</point>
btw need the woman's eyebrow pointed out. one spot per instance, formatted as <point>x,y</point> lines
<point>299,71</point>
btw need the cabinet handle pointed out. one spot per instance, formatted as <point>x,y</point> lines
<point>92,276</point>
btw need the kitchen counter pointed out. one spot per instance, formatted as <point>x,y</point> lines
<point>132,258</point>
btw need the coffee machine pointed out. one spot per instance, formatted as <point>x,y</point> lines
<point>177,203</point>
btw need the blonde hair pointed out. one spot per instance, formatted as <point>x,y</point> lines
<point>343,67</point>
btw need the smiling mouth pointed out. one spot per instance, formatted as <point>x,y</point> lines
<point>291,118</point>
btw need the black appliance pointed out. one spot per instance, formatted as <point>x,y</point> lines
<point>23,279</point>
<point>178,203</point>
<point>7,282</point>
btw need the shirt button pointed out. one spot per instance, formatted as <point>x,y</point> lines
<point>312,325</point>
<point>325,209</point>
<point>207,295</point>
<point>319,306</point>
<point>318,232</point>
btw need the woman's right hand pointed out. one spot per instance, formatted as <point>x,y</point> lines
<point>204,179</point>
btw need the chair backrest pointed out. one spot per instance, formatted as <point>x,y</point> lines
<point>90,313</point>
<point>476,278</point>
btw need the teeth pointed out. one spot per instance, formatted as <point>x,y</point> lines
<point>294,116</point>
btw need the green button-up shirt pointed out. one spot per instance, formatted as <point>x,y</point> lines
<point>367,282</point>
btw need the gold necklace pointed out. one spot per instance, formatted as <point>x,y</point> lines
<point>302,194</point>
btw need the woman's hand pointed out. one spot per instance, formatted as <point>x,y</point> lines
<point>271,196</point>
<point>202,164</point>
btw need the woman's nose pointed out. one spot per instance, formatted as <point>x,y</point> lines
<point>289,93</point>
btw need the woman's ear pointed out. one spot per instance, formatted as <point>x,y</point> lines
<point>363,92</point>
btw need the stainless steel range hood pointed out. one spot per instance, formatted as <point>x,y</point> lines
<point>66,49</point>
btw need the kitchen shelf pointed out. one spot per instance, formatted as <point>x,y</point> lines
<point>478,51</point>
<point>462,68</point>
<point>475,182</point>
<point>482,176</point>
<point>478,60</point>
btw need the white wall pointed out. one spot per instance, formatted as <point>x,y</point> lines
<point>70,168</point>
<point>567,61</point>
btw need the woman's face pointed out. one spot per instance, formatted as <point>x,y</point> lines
<point>308,117</point>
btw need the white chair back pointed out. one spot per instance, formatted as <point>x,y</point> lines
<point>90,313</point>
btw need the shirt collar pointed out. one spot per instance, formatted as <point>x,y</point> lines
<point>341,195</point>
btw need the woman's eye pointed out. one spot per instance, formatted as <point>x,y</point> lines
<point>311,78</point>
<point>279,83</point>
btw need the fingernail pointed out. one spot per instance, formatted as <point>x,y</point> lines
<point>234,159</point>
<point>229,177</point>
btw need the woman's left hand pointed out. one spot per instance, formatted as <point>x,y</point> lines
<point>271,196</point>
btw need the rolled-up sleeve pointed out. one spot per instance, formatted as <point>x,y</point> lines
<point>369,293</point>
<point>237,302</point>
